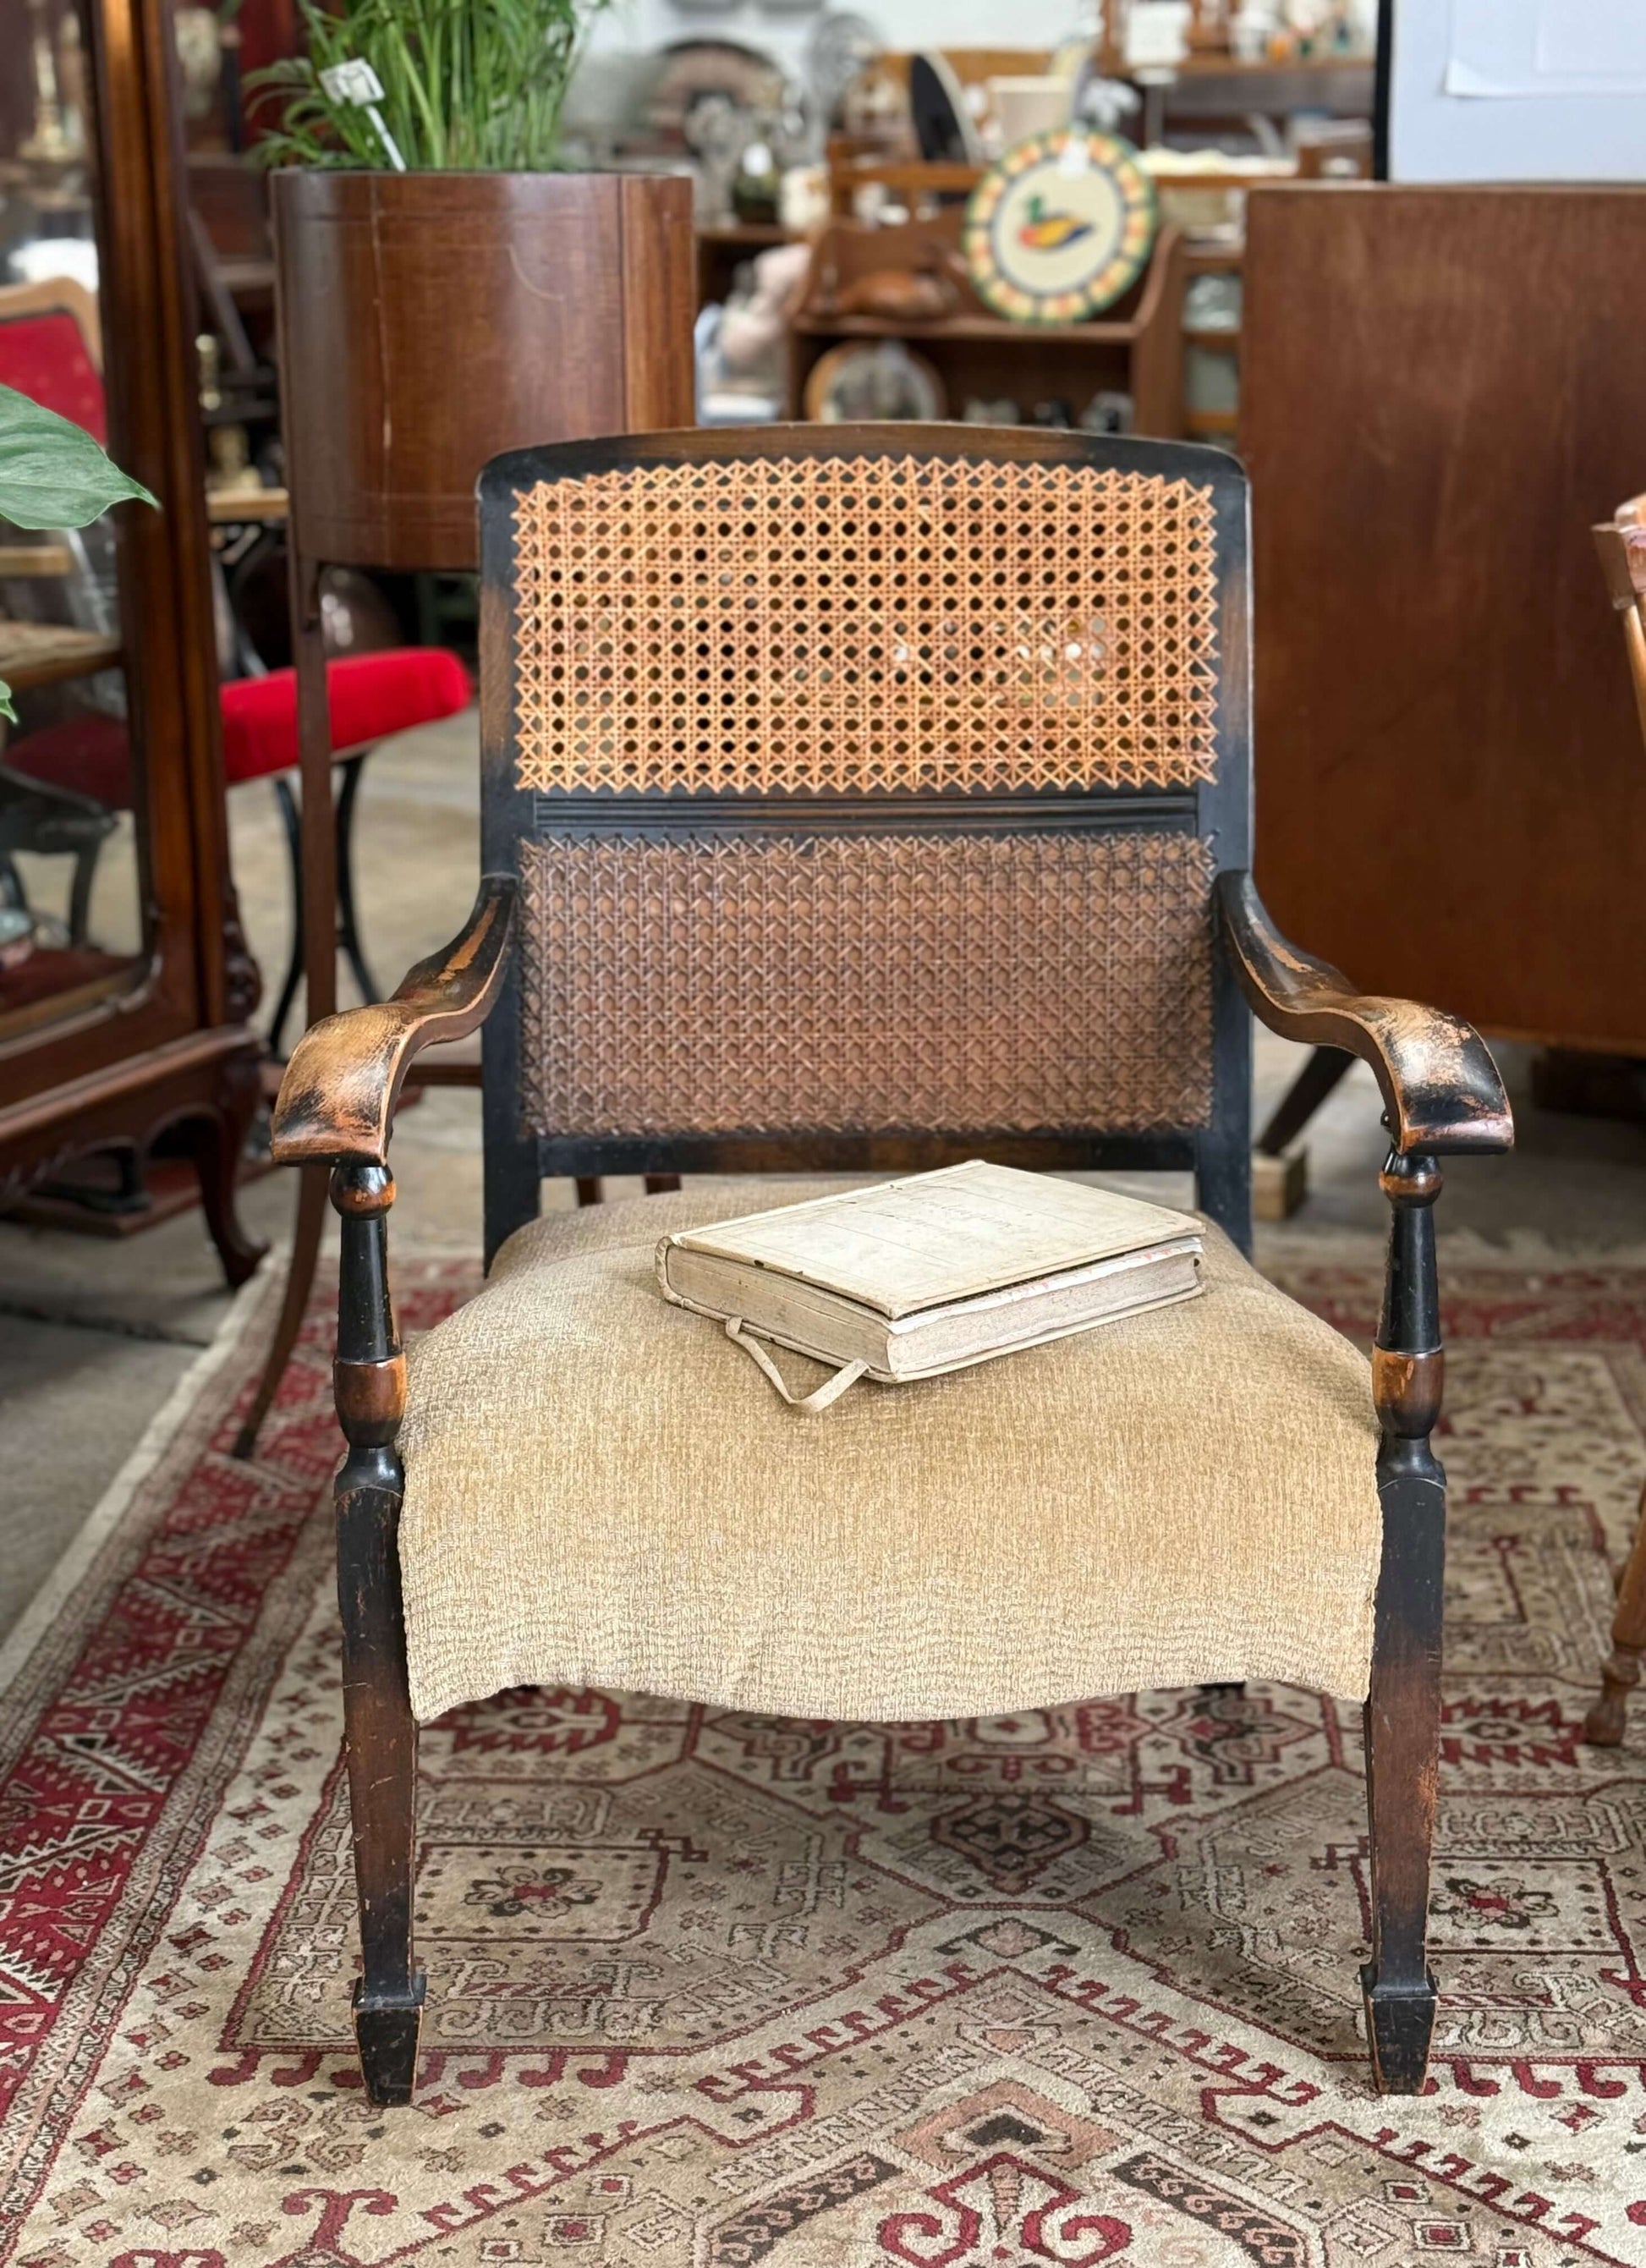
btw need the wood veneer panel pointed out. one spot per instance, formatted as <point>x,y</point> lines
<point>429,320</point>
<point>1440,395</point>
<point>659,256</point>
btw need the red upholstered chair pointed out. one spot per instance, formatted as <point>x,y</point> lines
<point>50,348</point>
<point>372,696</point>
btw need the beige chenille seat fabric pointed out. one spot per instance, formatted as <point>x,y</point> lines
<point>601,1489</point>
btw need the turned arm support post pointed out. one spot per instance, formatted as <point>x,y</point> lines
<point>336,1107</point>
<point>1408,1362</point>
<point>1441,1093</point>
<point>370,1369</point>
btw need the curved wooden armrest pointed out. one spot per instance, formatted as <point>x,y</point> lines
<point>337,1098</point>
<point>1441,1089</point>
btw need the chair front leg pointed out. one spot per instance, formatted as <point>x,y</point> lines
<point>1403,1707</point>
<point>380,1732</point>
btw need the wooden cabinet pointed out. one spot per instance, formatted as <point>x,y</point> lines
<point>1440,397</point>
<point>124,1007</point>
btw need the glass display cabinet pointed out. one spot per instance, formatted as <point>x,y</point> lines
<point>125,984</point>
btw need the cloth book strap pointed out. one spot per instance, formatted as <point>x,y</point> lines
<point>809,1405</point>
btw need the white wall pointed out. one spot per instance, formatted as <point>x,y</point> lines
<point>782,33</point>
<point>1478,94</point>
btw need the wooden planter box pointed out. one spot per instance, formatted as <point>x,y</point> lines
<point>428,320</point>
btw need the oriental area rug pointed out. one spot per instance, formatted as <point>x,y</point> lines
<point>707,1989</point>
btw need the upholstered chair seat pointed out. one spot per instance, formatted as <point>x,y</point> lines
<point>601,1489</point>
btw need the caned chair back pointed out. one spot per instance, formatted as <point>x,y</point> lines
<point>866,786</point>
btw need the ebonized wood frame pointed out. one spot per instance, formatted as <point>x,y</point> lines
<point>336,1107</point>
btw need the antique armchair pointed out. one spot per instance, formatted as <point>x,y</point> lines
<point>864,798</point>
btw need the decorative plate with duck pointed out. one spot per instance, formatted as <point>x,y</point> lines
<point>1059,227</point>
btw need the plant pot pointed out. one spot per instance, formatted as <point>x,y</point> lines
<point>428,320</point>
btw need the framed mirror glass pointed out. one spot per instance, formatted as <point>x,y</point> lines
<point>72,858</point>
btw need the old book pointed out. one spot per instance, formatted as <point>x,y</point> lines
<point>911,1277</point>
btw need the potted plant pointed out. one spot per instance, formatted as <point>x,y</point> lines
<point>444,291</point>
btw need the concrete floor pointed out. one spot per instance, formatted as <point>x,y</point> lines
<point>95,1335</point>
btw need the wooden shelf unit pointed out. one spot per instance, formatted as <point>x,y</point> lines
<point>32,654</point>
<point>980,327</point>
<point>246,507</point>
<point>1137,348</point>
<point>723,245</point>
<point>1206,92</point>
<point>915,182</point>
<point>1207,257</point>
<point>46,562</point>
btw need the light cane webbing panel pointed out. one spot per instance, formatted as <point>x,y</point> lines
<point>975,983</point>
<point>819,626</point>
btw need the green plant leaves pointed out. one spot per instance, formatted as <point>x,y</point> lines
<point>468,86</point>
<point>52,473</point>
